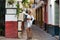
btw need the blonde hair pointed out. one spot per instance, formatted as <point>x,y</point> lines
<point>30,10</point>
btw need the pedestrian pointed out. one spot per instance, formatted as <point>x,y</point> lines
<point>28,23</point>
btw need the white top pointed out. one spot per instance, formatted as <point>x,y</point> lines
<point>28,23</point>
<point>29,16</point>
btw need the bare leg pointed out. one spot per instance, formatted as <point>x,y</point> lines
<point>29,33</point>
<point>27,30</point>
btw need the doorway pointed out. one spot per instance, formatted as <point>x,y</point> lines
<point>39,16</point>
<point>2,17</point>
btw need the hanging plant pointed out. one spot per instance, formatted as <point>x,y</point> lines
<point>25,3</point>
<point>11,1</point>
<point>19,10</point>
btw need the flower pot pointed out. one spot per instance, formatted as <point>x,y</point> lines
<point>10,2</point>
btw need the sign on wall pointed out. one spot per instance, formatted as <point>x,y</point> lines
<point>10,11</point>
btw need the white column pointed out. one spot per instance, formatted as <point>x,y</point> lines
<point>51,12</point>
<point>20,18</point>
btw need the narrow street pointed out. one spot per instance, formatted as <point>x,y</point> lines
<point>45,12</point>
<point>38,34</point>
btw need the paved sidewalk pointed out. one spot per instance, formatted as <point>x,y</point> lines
<point>38,34</point>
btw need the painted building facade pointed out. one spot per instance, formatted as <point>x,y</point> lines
<point>52,26</point>
<point>48,16</point>
<point>45,15</point>
<point>12,23</point>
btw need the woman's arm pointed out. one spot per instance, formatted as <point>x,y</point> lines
<point>24,13</point>
<point>32,18</point>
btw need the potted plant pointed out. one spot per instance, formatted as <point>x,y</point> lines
<point>11,1</point>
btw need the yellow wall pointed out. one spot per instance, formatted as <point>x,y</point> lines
<point>32,1</point>
<point>33,12</point>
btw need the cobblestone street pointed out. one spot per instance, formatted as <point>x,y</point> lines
<point>38,34</point>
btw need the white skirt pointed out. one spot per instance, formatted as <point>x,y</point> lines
<point>28,24</point>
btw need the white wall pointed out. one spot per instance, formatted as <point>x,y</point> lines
<point>14,4</point>
<point>9,6</point>
<point>10,18</point>
<point>51,12</point>
<point>11,13</point>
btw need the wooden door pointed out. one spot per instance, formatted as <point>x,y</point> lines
<point>39,16</point>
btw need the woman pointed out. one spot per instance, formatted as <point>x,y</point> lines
<point>28,23</point>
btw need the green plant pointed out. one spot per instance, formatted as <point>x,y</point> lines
<point>25,3</point>
<point>19,10</point>
<point>11,1</point>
